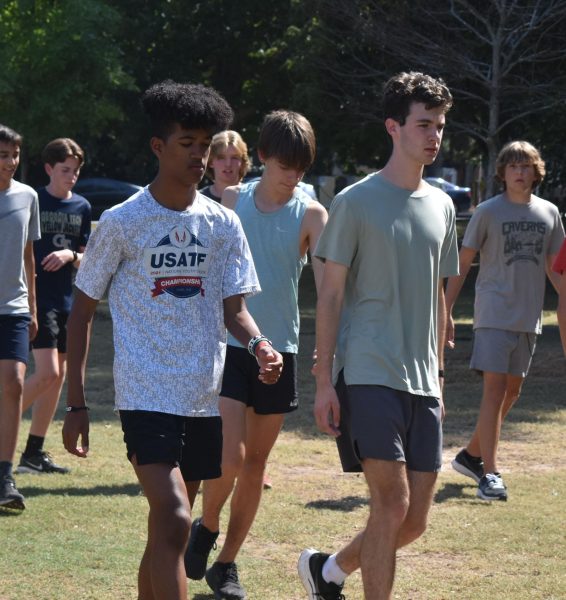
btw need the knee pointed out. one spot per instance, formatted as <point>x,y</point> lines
<point>415,527</point>
<point>173,524</point>
<point>47,378</point>
<point>393,509</point>
<point>255,464</point>
<point>13,387</point>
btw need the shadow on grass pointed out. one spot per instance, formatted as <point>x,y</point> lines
<point>127,489</point>
<point>449,491</point>
<point>347,504</point>
<point>203,597</point>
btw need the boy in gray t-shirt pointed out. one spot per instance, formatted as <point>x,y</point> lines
<point>518,235</point>
<point>19,227</point>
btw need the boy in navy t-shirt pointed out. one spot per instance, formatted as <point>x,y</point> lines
<point>65,226</point>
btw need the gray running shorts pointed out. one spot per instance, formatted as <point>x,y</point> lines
<point>386,424</point>
<point>502,351</point>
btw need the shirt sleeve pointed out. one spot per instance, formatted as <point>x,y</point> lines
<point>559,265</point>
<point>557,236</point>
<point>86,225</point>
<point>240,276</point>
<point>339,239</point>
<point>475,234</point>
<point>102,257</point>
<point>34,229</point>
<point>449,263</point>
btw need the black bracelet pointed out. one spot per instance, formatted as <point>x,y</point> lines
<point>76,408</point>
<point>441,373</point>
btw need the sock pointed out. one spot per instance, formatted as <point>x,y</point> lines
<point>332,573</point>
<point>5,468</point>
<point>34,445</point>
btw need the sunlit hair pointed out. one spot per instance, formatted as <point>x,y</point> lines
<point>520,151</point>
<point>9,136</point>
<point>288,137</point>
<point>404,89</point>
<point>219,145</point>
<point>59,150</point>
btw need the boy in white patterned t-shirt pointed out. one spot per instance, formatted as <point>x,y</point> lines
<point>178,266</point>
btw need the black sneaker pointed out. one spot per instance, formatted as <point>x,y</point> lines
<point>9,495</point>
<point>468,465</point>
<point>39,463</point>
<point>222,579</point>
<point>491,487</point>
<point>201,542</point>
<point>310,573</point>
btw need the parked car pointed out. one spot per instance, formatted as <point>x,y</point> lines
<point>461,196</point>
<point>103,193</point>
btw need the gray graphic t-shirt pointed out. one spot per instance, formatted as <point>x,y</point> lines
<point>169,272</point>
<point>514,241</point>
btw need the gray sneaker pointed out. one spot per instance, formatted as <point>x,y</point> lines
<point>39,464</point>
<point>491,487</point>
<point>468,465</point>
<point>9,495</point>
<point>201,542</point>
<point>310,572</point>
<point>222,579</point>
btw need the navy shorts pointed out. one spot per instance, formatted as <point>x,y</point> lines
<point>14,337</point>
<point>51,330</point>
<point>386,424</point>
<point>194,444</point>
<point>240,382</point>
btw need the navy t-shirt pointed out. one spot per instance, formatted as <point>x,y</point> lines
<point>65,224</point>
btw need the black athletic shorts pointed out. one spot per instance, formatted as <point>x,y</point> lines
<point>14,337</point>
<point>51,330</point>
<point>240,382</point>
<point>192,443</point>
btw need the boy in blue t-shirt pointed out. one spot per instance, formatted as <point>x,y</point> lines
<point>65,226</point>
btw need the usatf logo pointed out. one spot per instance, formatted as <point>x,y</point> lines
<point>178,264</point>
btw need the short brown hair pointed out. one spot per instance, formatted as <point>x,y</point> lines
<point>404,89</point>
<point>9,136</point>
<point>220,143</point>
<point>59,150</point>
<point>289,137</point>
<point>520,151</point>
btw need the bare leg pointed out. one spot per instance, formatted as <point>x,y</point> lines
<point>421,492</point>
<point>162,571</point>
<point>513,387</point>
<point>215,492</point>
<point>12,375</point>
<point>192,491</point>
<point>261,434</point>
<point>45,404</point>
<point>45,374</point>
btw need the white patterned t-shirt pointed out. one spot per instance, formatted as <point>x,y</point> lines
<point>169,272</point>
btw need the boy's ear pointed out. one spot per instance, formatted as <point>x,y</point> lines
<point>260,156</point>
<point>156,144</point>
<point>391,126</point>
<point>48,169</point>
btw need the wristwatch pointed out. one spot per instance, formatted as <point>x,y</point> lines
<point>76,408</point>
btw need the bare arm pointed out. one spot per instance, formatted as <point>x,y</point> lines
<point>230,196</point>
<point>454,288</point>
<point>328,308</point>
<point>29,267</point>
<point>441,332</point>
<point>554,277</point>
<point>78,335</point>
<point>311,229</point>
<point>561,310</point>
<point>241,325</point>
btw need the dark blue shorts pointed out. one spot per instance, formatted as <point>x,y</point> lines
<point>240,382</point>
<point>51,330</point>
<point>194,444</point>
<point>386,424</point>
<point>14,337</point>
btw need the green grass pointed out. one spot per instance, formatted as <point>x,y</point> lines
<point>83,534</point>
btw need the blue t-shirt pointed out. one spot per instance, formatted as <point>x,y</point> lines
<point>65,224</point>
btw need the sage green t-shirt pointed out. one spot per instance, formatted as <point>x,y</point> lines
<point>397,245</point>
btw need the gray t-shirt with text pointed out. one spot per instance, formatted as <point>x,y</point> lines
<point>514,241</point>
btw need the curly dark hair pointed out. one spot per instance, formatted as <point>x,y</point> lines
<point>403,89</point>
<point>192,106</point>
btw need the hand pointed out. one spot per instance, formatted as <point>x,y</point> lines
<point>76,425</point>
<point>32,328</point>
<point>314,363</point>
<point>327,410</point>
<point>450,331</point>
<point>441,401</point>
<point>56,260</point>
<point>270,364</point>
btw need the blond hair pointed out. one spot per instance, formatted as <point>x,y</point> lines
<point>220,143</point>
